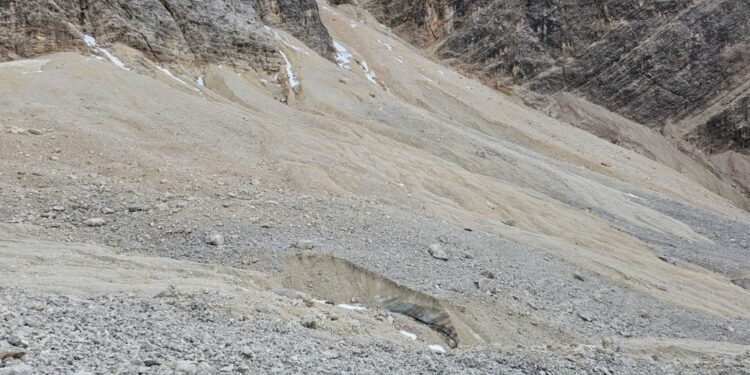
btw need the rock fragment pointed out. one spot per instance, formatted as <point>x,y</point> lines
<point>95,222</point>
<point>437,252</point>
<point>215,239</point>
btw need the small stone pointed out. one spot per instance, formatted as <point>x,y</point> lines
<point>488,274</point>
<point>666,259</point>
<point>727,327</point>
<point>17,341</point>
<point>644,314</point>
<point>584,317</point>
<point>215,239</point>
<point>35,132</point>
<point>437,252</point>
<point>136,208</point>
<point>95,222</point>
<point>185,367</point>
<point>247,352</point>
<point>309,321</point>
<point>577,276</point>
<point>58,208</point>
<point>509,222</point>
<point>11,353</point>
<point>304,245</point>
<point>151,362</point>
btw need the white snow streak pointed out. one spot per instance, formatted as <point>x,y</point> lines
<point>289,73</point>
<point>169,73</point>
<point>91,43</point>
<point>368,73</point>
<point>408,334</point>
<point>437,348</point>
<point>346,306</point>
<point>283,41</point>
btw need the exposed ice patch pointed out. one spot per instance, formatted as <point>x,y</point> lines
<point>289,73</point>
<point>346,306</point>
<point>91,43</point>
<point>408,334</point>
<point>437,348</point>
<point>343,57</point>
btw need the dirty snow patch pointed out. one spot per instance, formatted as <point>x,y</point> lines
<point>408,334</point>
<point>347,306</point>
<point>91,43</point>
<point>289,73</point>
<point>343,57</point>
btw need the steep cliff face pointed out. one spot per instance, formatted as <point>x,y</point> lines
<point>655,62</point>
<point>221,31</point>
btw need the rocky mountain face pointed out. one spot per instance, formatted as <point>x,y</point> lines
<point>224,31</point>
<point>655,62</point>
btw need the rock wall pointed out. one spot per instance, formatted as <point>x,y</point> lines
<point>192,31</point>
<point>656,62</point>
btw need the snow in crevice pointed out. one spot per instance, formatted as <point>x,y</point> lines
<point>369,73</point>
<point>283,41</point>
<point>174,77</point>
<point>408,334</point>
<point>91,43</point>
<point>289,73</point>
<point>343,57</point>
